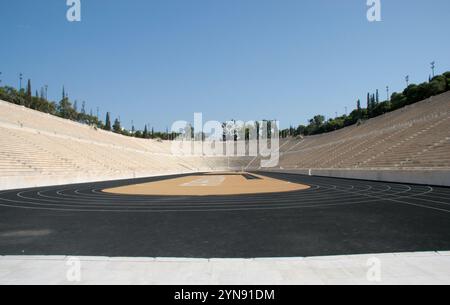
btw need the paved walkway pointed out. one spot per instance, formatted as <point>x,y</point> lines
<point>405,268</point>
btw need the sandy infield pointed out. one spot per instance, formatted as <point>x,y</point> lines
<point>210,185</point>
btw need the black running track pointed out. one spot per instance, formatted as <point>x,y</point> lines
<point>334,217</point>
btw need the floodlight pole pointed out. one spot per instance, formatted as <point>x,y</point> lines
<point>387,91</point>
<point>433,66</point>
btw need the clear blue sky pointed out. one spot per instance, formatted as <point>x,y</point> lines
<point>157,61</point>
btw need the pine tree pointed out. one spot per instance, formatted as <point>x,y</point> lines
<point>108,122</point>
<point>377,97</point>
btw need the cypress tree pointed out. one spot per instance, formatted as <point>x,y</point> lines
<point>145,134</point>
<point>108,122</point>
<point>358,107</point>
<point>373,103</point>
<point>29,94</point>
<point>369,105</point>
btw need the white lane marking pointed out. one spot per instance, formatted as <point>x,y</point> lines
<point>278,207</point>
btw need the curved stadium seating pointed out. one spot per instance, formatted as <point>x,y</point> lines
<point>39,149</point>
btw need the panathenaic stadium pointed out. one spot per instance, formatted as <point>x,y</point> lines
<point>131,211</point>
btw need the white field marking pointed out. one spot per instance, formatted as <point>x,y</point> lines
<point>333,187</point>
<point>196,210</point>
<point>206,181</point>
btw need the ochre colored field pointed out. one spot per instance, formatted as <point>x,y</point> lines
<point>209,185</point>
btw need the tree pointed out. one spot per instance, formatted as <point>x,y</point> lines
<point>447,76</point>
<point>359,113</point>
<point>108,122</point>
<point>318,120</point>
<point>368,104</point>
<point>398,100</point>
<point>29,94</point>
<point>116,127</point>
<point>145,134</point>
<point>65,109</point>
<point>438,85</point>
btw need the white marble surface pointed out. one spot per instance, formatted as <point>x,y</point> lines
<point>395,268</point>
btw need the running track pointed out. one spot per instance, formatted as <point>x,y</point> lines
<point>334,217</point>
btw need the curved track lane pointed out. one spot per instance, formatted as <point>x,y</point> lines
<point>333,217</point>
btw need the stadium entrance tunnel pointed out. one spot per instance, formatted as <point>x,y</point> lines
<point>213,184</point>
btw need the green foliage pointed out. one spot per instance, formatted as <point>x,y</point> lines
<point>438,85</point>
<point>145,133</point>
<point>116,127</point>
<point>412,94</point>
<point>9,94</point>
<point>107,122</point>
<point>66,110</point>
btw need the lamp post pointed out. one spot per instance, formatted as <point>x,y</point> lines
<point>433,66</point>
